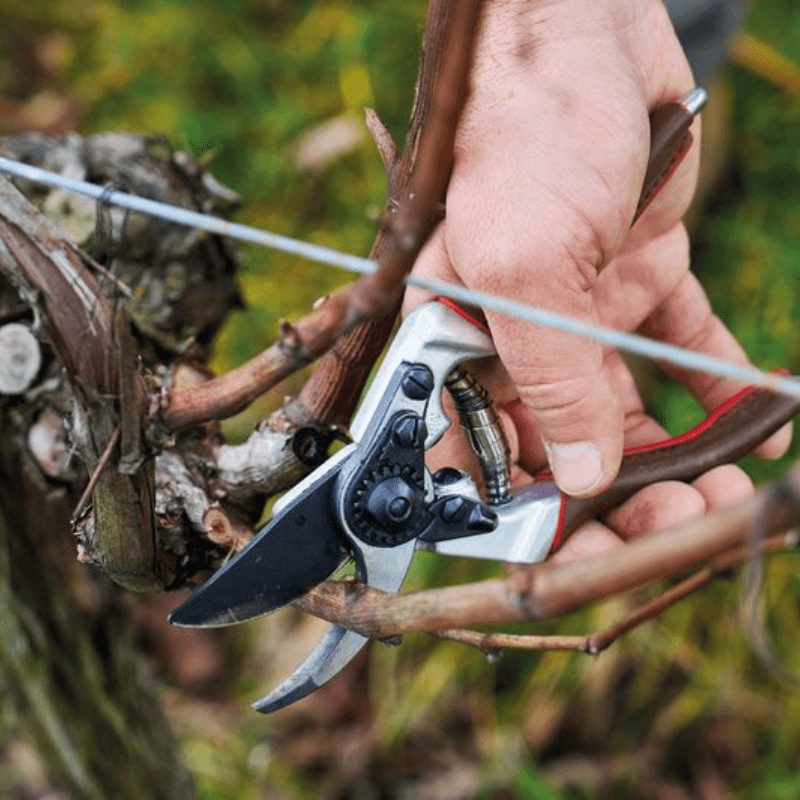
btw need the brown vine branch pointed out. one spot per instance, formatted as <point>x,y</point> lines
<point>418,210</point>
<point>331,394</point>
<point>595,643</point>
<point>547,590</point>
<point>48,271</point>
<point>405,233</point>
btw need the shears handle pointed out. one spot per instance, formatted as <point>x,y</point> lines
<point>731,431</point>
<point>736,427</point>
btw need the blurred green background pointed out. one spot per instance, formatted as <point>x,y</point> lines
<point>271,94</point>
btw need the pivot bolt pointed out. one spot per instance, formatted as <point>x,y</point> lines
<point>399,509</point>
<point>417,384</point>
<point>409,430</point>
<point>392,503</point>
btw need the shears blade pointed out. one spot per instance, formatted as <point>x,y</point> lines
<point>295,550</point>
<point>334,652</point>
<point>340,646</point>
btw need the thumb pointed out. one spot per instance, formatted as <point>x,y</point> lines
<point>568,400</point>
<point>569,403</point>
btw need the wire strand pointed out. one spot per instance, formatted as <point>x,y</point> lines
<point>629,342</point>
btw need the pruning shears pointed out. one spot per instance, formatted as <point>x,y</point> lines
<point>375,501</point>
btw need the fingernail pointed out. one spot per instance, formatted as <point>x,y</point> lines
<point>577,466</point>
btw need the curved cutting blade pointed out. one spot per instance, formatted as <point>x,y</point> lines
<point>377,567</point>
<point>334,652</point>
<point>297,549</point>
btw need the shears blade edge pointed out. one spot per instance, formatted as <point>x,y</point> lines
<point>293,552</point>
<point>334,652</point>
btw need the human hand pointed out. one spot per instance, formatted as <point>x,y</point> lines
<point>550,158</point>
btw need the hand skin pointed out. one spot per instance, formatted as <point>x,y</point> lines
<point>550,159</point>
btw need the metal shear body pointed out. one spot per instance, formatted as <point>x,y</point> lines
<point>375,501</point>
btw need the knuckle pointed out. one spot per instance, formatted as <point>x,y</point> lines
<point>700,331</point>
<point>564,406</point>
<point>562,395</point>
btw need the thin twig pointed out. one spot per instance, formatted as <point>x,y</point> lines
<point>95,477</point>
<point>120,285</point>
<point>493,643</point>
<point>600,641</point>
<point>382,137</point>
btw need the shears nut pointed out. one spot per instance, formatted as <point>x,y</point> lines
<point>418,383</point>
<point>393,503</point>
<point>410,432</point>
<point>455,509</point>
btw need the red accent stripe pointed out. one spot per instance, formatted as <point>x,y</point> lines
<point>560,527</point>
<point>690,435</point>
<point>702,427</point>
<point>446,301</point>
<point>699,429</point>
